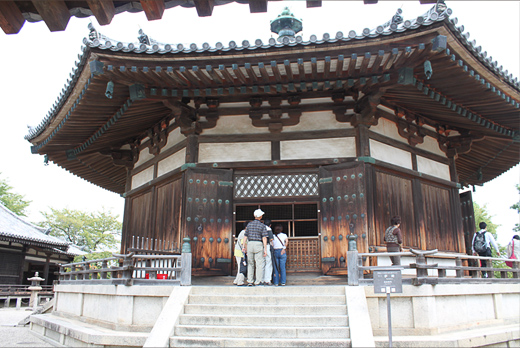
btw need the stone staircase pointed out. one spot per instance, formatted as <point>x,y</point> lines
<point>291,316</point>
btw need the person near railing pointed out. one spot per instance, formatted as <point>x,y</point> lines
<point>394,239</point>
<point>513,248</point>
<point>481,245</point>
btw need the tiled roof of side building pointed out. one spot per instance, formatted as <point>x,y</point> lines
<point>14,227</point>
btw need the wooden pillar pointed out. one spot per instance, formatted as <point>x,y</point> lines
<point>362,140</point>
<point>46,269</point>
<point>22,264</point>
<point>192,148</point>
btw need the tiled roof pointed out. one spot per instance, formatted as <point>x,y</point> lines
<point>15,228</point>
<point>99,41</point>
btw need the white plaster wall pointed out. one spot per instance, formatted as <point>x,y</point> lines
<point>431,145</point>
<point>389,129</point>
<point>319,120</point>
<point>318,148</point>
<point>142,177</point>
<point>174,138</point>
<point>234,152</point>
<point>390,154</point>
<point>144,156</point>
<point>171,162</point>
<point>240,124</point>
<point>433,168</point>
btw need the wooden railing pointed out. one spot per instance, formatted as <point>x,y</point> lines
<point>426,271</point>
<point>22,295</point>
<point>131,269</point>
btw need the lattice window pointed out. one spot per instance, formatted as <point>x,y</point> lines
<point>254,186</point>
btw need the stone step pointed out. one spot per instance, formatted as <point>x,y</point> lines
<point>262,331</point>
<point>271,300</point>
<point>212,309</point>
<point>269,290</point>
<point>281,320</point>
<point>263,342</point>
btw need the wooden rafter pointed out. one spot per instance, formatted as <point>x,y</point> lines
<point>204,7</point>
<point>258,6</point>
<point>11,18</point>
<point>54,13</point>
<point>153,9</point>
<point>104,11</point>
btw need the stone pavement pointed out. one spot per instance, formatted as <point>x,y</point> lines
<point>12,335</point>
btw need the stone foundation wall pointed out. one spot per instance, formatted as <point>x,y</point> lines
<point>117,307</point>
<point>435,309</point>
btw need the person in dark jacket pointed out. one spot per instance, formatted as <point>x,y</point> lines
<point>394,239</point>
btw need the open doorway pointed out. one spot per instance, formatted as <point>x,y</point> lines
<point>299,222</point>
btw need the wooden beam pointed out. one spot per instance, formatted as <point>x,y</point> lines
<point>257,6</point>
<point>11,18</point>
<point>55,14</point>
<point>153,9</point>
<point>313,3</point>
<point>204,7</point>
<point>104,11</point>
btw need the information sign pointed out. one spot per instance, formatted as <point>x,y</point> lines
<point>388,282</point>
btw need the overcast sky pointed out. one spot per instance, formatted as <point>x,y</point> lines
<point>35,65</point>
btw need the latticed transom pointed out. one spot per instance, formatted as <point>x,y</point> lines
<point>250,186</point>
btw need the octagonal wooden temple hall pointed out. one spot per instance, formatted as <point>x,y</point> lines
<point>331,136</point>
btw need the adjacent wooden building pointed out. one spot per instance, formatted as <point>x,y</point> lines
<point>26,249</point>
<point>330,137</point>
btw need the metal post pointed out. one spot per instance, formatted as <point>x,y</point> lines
<point>389,312</point>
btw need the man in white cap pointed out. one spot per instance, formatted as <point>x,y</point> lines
<point>255,243</point>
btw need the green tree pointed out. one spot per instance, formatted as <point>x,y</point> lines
<point>96,233</point>
<point>12,201</point>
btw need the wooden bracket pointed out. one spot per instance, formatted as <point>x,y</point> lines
<point>276,121</point>
<point>185,116</point>
<point>365,109</point>
<point>413,133</point>
<point>158,135</point>
<point>459,145</point>
<point>124,158</point>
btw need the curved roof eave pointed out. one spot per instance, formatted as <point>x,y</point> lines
<point>102,42</point>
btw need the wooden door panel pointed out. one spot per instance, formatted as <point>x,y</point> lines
<point>139,219</point>
<point>343,208</point>
<point>209,219</point>
<point>168,210</point>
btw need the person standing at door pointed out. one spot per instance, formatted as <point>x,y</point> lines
<point>268,269</point>
<point>280,243</point>
<point>394,239</point>
<point>240,256</point>
<point>255,243</point>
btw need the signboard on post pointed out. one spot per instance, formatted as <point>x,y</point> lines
<point>388,282</point>
<point>388,279</point>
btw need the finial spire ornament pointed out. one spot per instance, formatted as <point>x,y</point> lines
<point>286,25</point>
